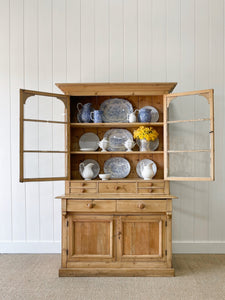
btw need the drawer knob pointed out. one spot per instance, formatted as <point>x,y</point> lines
<point>150,183</point>
<point>83,184</point>
<point>150,190</point>
<point>117,187</point>
<point>90,205</point>
<point>141,205</point>
<point>83,190</point>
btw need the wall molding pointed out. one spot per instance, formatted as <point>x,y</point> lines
<point>30,247</point>
<point>204,247</point>
<point>39,247</point>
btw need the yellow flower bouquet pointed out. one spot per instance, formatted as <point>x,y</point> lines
<point>147,133</point>
<point>147,138</point>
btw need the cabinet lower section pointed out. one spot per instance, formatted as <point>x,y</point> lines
<point>102,238</point>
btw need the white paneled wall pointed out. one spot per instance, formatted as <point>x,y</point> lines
<point>48,41</point>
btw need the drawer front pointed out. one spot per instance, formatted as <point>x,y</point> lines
<point>148,184</point>
<point>113,187</point>
<point>151,190</point>
<point>150,187</point>
<point>82,191</point>
<point>82,184</point>
<point>141,205</point>
<point>91,206</point>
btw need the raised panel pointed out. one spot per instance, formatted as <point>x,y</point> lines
<point>142,238</point>
<point>90,238</point>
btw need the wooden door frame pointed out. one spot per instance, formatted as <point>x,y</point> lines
<point>209,95</point>
<point>24,95</point>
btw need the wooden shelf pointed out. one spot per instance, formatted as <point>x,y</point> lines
<point>117,125</point>
<point>116,152</point>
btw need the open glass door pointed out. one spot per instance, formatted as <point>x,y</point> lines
<point>44,136</point>
<point>189,136</point>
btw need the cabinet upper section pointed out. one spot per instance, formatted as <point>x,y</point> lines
<point>118,89</point>
<point>51,129</point>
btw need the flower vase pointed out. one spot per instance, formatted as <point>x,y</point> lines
<point>144,145</point>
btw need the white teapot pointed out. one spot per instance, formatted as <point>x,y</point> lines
<point>103,144</point>
<point>132,117</point>
<point>129,144</point>
<point>147,171</point>
<point>86,171</point>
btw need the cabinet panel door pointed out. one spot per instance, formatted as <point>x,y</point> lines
<point>91,238</point>
<point>141,238</point>
<point>189,136</point>
<point>44,136</point>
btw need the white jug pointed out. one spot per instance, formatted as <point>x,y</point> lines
<point>147,171</point>
<point>86,171</point>
<point>132,117</point>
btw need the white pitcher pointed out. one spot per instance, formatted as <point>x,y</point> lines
<point>132,117</point>
<point>86,171</point>
<point>147,171</point>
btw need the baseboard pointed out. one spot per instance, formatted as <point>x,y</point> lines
<point>214,247</point>
<point>55,247</point>
<point>30,247</point>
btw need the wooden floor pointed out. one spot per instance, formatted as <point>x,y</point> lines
<point>28,276</point>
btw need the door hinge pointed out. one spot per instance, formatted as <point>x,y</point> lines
<point>67,223</point>
<point>166,252</point>
<point>166,223</point>
<point>67,252</point>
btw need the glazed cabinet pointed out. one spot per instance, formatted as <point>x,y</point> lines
<point>121,226</point>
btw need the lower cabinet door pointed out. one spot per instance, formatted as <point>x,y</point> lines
<point>90,238</point>
<point>142,238</point>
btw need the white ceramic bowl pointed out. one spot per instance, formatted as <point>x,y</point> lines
<point>104,176</point>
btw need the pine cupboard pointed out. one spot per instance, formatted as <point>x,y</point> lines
<point>119,227</point>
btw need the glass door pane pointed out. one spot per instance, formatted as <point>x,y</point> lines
<point>189,136</point>
<point>44,136</point>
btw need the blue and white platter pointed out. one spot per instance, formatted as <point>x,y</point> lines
<point>145,162</point>
<point>117,138</point>
<point>154,113</point>
<point>115,110</point>
<point>118,167</point>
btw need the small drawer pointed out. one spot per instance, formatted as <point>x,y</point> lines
<point>82,184</point>
<point>148,184</point>
<point>82,190</point>
<point>151,190</point>
<point>91,206</point>
<point>141,205</point>
<point>113,187</point>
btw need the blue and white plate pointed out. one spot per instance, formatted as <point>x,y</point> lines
<point>118,167</point>
<point>145,162</point>
<point>115,110</point>
<point>154,113</point>
<point>117,138</point>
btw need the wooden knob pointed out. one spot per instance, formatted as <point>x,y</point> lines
<point>141,205</point>
<point>83,190</point>
<point>150,183</point>
<point>117,187</point>
<point>90,205</point>
<point>150,190</point>
<point>83,184</point>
